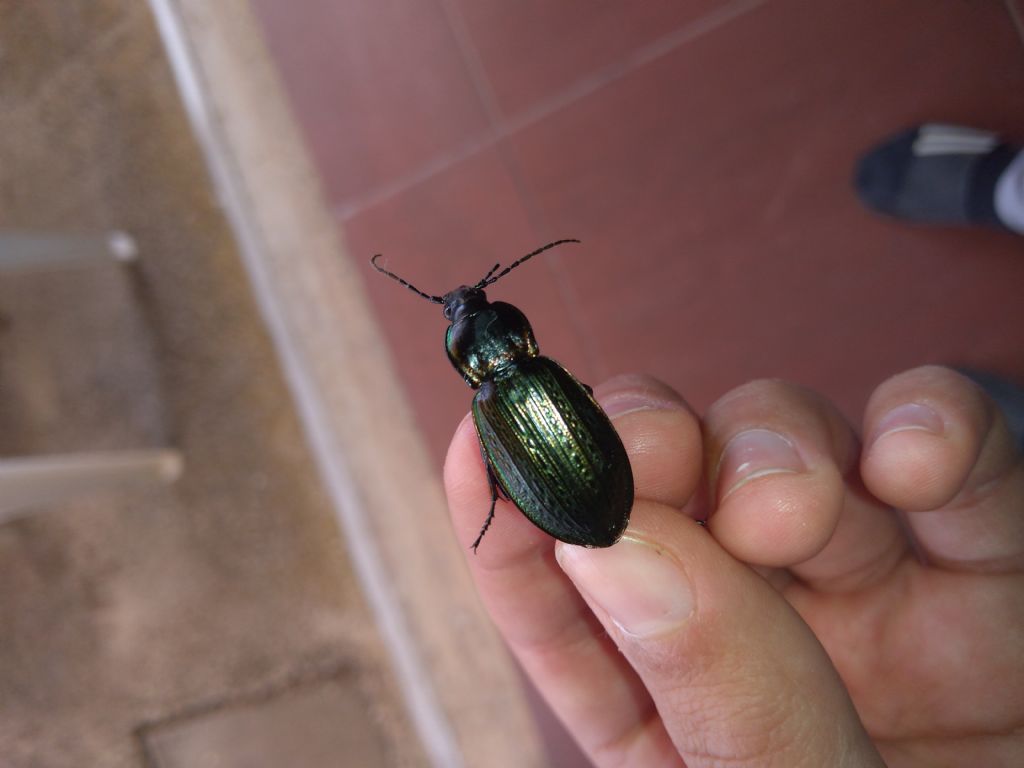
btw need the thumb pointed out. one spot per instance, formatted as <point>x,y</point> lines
<point>736,675</point>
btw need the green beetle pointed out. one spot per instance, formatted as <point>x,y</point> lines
<point>547,445</point>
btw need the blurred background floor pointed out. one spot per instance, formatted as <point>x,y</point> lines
<point>216,620</point>
<point>702,152</point>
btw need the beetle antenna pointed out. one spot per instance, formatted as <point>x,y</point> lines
<point>407,284</point>
<point>488,279</point>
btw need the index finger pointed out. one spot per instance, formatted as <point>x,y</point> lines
<point>540,613</point>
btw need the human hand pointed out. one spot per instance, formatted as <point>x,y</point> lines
<point>808,624</point>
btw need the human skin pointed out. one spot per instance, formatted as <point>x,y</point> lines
<point>855,597</point>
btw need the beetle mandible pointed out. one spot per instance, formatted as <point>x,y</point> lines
<point>547,445</point>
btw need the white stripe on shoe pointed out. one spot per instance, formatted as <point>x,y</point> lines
<point>938,139</point>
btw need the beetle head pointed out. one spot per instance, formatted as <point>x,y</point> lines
<point>463,301</point>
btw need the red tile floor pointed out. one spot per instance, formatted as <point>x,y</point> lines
<point>701,150</point>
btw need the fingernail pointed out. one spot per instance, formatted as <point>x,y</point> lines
<point>626,394</point>
<point>910,416</point>
<point>752,454</point>
<point>642,588</point>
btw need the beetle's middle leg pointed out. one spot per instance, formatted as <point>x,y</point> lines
<point>495,487</point>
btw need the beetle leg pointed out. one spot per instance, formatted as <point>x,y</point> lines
<point>590,389</point>
<point>502,493</point>
<point>495,486</point>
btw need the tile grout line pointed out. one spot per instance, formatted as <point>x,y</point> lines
<point>1015,17</point>
<point>632,62</point>
<point>579,90</point>
<point>488,101</point>
<point>485,91</point>
<point>341,212</point>
<point>474,65</point>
